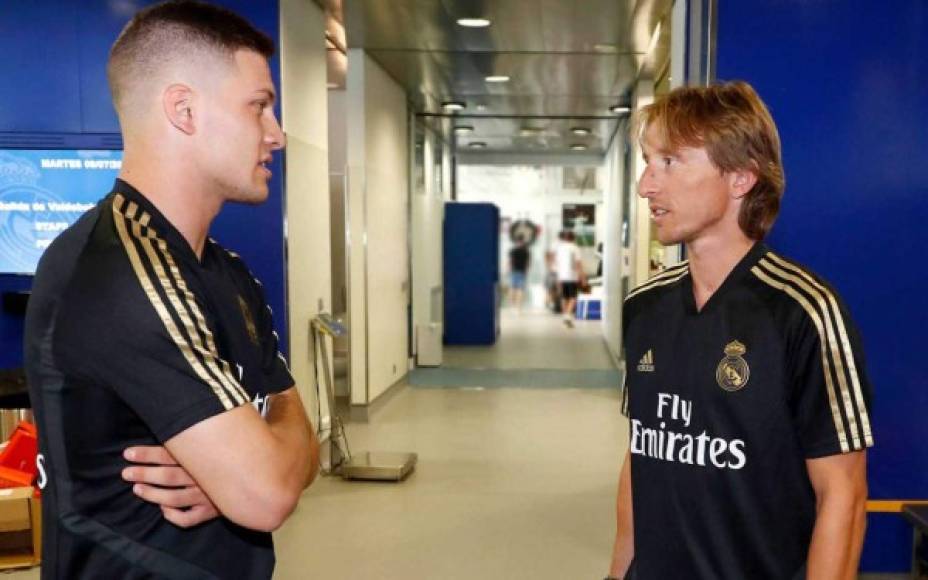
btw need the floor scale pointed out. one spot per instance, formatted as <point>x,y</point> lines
<point>365,465</point>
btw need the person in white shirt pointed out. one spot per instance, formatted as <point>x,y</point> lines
<point>569,273</point>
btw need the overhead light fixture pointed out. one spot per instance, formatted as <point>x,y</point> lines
<point>580,131</point>
<point>481,107</point>
<point>620,109</point>
<point>605,48</point>
<point>463,129</point>
<point>477,145</point>
<point>529,131</point>
<point>453,105</point>
<point>473,22</point>
<point>578,147</point>
<point>497,79</point>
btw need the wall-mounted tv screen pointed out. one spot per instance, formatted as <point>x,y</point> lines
<point>42,192</point>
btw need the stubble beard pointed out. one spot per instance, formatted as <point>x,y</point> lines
<point>251,195</point>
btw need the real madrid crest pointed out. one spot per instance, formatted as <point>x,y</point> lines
<point>249,320</point>
<point>733,372</point>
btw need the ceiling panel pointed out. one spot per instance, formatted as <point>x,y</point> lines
<point>566,59</point>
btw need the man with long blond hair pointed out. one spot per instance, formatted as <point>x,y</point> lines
<point>745,384</point>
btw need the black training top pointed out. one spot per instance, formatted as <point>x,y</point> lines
<point>131,339</point>
<point>725,405</point>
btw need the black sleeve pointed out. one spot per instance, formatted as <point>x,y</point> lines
<point>277,375</point>
<point>830,395</point>
<point>150,343</point>
<point>626,312</point>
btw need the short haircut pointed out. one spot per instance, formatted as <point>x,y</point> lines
<point>176,31</point>
<point>738,133</point>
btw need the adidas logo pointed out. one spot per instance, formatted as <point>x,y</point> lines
<point>646,364</point>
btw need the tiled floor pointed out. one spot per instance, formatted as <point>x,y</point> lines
<point>511,482</point>
<point>536,340</point>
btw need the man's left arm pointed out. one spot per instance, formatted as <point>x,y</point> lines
<point>840,484</point>
<point>160,479</point>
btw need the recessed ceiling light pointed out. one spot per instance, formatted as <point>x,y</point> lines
<point>578,147</point>
<point>580,131</point>
<point>605,48</point>
<point>477,145</point>
<point>473,22</point>
<point>497,79</point>
<point>463,129</point>
<point>453,105</point>
<point>529,131</point>
<point>481,107</point>
<point>620,109</point>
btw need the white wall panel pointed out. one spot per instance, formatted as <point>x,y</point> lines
<point>303,102</point>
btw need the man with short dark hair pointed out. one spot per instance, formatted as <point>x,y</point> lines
<point>745,384</point>
<point>172,437</point>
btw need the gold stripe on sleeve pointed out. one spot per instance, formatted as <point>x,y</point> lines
<point>185,348</point>
<point>852,371</point>
<point>210,358</point>
<point>210,352</point>
<point>813,314</point>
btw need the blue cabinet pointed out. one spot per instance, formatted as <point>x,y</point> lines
<point>471,264</point>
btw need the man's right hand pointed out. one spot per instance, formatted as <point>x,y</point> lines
<point>160,480</point>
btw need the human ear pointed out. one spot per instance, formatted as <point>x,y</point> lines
<point>177,102</point>
<point>741,182</point>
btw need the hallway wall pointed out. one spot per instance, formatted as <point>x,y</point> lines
<point>378,204</point>
<point>428,209</point>
<point>303,99</point>
<point>614,269</point>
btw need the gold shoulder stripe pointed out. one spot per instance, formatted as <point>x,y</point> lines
<point>843,342</point>
<point>182,344</point>
<point>668,276</point>
<point>789,288</point>
<point>828,342</point>
<point>211,357</point>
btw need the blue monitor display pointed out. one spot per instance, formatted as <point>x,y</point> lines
<point>42,192</point>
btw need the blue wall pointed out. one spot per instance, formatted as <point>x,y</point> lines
<point>54,95</point>
<point>845,82</point>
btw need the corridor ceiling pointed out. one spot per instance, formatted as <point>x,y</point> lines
<point>568,62</point>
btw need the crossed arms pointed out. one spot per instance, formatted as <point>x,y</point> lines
<point>248,469</point>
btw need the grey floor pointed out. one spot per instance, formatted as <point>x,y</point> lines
<point>511,482</point>
<point>536,340</point>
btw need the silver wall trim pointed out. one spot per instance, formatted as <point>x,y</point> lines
<point>367,314</point>
<point>701,42</point>
<point>346,194</point>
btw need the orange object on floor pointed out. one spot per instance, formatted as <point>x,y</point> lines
<point>17,460</point>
